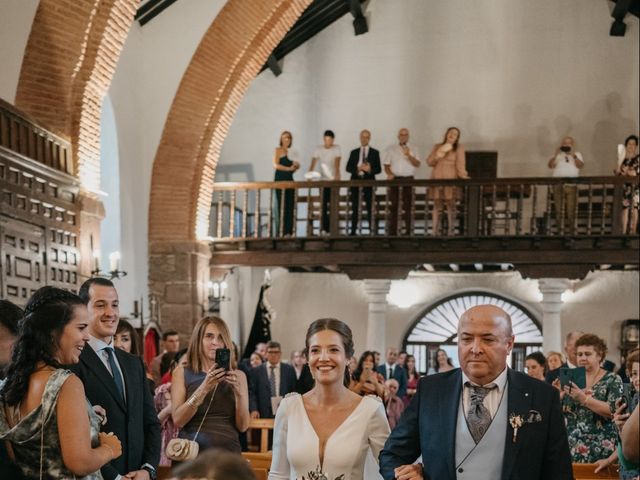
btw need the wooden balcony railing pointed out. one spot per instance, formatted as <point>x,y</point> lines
<point>22,135</point>
<point>480,208</point>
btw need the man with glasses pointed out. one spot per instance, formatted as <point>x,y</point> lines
<point>269,383</point>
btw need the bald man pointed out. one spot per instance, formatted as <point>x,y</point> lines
<point>483,420</point>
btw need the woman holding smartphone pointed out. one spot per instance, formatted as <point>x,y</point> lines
<point>365,380</point>
<point>209,395</point>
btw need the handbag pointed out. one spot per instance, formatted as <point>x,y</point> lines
<point>183,449</point>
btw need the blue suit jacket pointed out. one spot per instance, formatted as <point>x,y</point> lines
<point>428,427</point>
<point>399,373</point>
<point>260,390</point>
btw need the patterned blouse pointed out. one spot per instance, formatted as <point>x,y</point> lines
<point>592,437</point>
<point>39,429</point>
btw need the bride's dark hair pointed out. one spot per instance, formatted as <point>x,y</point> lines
<point>341,329</point>
<point>47,313</point>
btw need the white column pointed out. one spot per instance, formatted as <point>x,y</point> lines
<point>552,290</point>
<point>377,291</point>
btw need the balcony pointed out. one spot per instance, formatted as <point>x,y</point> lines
<point>514,221</point>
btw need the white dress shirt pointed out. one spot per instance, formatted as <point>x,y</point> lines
<point>493,398</point>
<point>99,347</point>
<point>566,165</point>
<point>400,165</point>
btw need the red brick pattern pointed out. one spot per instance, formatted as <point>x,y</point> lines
<point>229,56</point>
<point>67,68</point>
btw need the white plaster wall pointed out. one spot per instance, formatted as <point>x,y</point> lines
<point>515,76</point>
<point>16,17</point>
<point>598,304</point>
<point>149,71</point>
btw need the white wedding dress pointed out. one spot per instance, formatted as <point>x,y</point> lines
<point>348,451</point>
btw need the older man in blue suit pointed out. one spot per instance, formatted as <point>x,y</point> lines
<point>483,421</point>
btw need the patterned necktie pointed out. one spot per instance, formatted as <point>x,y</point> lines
<point>114,370</point>
<point>272,381</point>
<point>479,417</point>
<point>390,372</point>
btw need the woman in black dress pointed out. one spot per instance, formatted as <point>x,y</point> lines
<point>285,162</point>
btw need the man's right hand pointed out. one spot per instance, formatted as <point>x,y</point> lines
<point>255,414</point>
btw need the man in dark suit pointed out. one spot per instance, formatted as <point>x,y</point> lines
<point>116,381</point>
<point>271,380</point>
<point>392,370</point>
<point>363,164</point>
<point>483,421</point>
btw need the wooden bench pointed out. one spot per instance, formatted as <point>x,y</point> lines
<point>260,461</point>
<point>585,471</point>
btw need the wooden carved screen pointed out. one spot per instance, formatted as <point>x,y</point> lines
<point>38,227</point>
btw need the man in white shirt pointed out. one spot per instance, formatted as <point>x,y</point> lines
<point>400,162</point>
<point>328,155</point>
<point>566,163</point>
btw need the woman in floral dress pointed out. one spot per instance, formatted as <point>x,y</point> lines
<point>588,413</point>
<point>629,166</point>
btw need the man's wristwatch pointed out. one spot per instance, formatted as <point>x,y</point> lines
<point>152,471</point>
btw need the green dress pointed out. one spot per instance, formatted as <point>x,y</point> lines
<point>25,436</point>
<point>592,437</point>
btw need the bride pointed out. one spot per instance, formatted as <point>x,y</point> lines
<point>330,430</point>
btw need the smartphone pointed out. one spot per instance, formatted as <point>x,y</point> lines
<point>576,375</point>
<point>223,358</point>
<point>627,394</point>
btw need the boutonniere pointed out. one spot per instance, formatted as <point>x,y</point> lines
<point>517,421</point>
<point>318,474</point>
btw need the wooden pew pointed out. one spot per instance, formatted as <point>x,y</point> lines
<point>584,471</point>
<point>260,461</point>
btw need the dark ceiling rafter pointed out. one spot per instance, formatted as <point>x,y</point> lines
<point>318,16</point>
<point>151,9</point>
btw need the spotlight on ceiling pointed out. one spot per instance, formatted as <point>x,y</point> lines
<point>618,27</point>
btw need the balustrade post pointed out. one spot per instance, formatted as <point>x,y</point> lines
<point>616,210</point>
<point>474,199</point>
<point>334,211</point>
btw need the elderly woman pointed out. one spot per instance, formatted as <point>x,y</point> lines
<point>195,385</point>
<point>589,411</point>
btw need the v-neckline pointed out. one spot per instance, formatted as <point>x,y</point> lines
<point>306,416</point>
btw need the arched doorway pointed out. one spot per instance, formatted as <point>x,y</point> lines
<point>436,327</point>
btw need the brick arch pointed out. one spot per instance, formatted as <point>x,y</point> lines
<point>68,65</point>
<point>229,56</point>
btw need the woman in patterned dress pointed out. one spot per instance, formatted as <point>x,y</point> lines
<point>630,167</point>
<point>48,435</point>
<point>589,412</point>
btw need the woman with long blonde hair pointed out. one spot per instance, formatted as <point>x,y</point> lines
<point>206,397</point>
